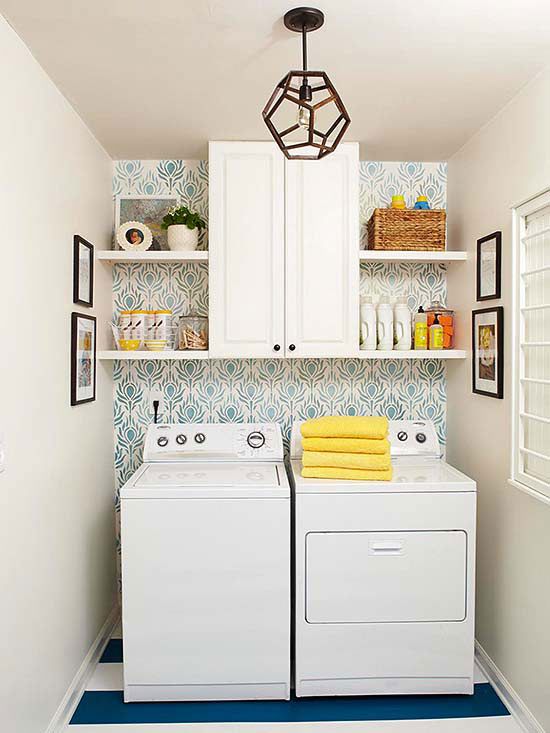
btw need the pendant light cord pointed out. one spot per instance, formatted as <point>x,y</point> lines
<point>304,50</point>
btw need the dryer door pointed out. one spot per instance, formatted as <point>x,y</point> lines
<point>385,577</point>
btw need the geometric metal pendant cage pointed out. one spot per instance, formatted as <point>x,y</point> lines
<point>306,129</point>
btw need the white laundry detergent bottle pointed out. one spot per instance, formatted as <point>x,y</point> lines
<point>367,326</point>
<point>402,328</point>
<point>384,314</point>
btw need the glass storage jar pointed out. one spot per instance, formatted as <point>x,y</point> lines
<point>446,319</point>
<point>193,333</point>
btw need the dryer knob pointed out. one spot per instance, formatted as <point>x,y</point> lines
<point>421,437</point>
<point>200,438</point>
<point>181,439</point>
<point>162,442</point>
<point>402,435</point>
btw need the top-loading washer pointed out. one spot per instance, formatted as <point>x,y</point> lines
<point>384,589</point>
<point>205,529</point>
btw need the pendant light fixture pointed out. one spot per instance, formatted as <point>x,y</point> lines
<point>305,114</point>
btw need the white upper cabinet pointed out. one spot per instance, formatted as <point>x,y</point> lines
<point>322,263</point>
<point>284,265</point>
<point>246,242</point>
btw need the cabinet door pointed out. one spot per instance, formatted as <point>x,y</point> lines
<point>246,242</point>
<point>322,255</point>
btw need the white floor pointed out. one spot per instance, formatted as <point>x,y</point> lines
<point>109,677</point>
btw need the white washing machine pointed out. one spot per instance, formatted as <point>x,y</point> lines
<point>206,565</point>
<point>385,575</point>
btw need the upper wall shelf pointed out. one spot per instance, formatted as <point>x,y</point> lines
<point>371,255</point>
<point>113,256</point>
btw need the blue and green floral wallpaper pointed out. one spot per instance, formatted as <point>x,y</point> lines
<point>270,390</point>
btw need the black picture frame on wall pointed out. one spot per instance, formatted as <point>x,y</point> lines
<point>488,267</point>
<point>488,352</point>
<point>83,271</point>
<point>83,358</point>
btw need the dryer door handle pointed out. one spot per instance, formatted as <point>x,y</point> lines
<point>386,547</point>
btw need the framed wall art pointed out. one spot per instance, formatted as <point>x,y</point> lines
<point>149,210</point>
<point>83,358</point>
<point>488,352</point>
<point>83,271</point>
<point>488,267</point>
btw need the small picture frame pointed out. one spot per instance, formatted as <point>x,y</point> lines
<point>150,209</point>
<point>83,271</point>
<point>134,236</point>
<point>488,268</point>
<point>83,358</point>
<point>488,352</point>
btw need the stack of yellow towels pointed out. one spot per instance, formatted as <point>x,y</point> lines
<point>346,448</point>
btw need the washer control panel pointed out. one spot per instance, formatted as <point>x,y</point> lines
<point>414,438</point>
<point>213,441</point>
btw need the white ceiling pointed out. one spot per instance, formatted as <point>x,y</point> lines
<point>158,79</point>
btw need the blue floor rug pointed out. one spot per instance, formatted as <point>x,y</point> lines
<point>108,707</point>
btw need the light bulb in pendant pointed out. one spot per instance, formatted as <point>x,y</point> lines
<point>303,117</point>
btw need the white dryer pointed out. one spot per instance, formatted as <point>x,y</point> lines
<point>385,575</point>
<point>206,565</point>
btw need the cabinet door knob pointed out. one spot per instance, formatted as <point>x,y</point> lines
<point>277,347</point>
<point>292,347</point>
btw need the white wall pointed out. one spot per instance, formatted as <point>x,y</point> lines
<point>506,162</point>
<point>57,535</point>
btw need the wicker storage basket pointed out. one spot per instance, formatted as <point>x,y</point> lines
<point>407,229</point>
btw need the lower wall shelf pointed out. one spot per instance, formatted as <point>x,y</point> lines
<point>428,354</point>
<point>180,355</point>
<point>114,355</point>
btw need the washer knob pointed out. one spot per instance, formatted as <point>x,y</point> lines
<point>421,437</point>
<point>256,439</point>
<point>162,442</point>
<point>181,439</point>
<point>200,438</point>
<point>402,435</point>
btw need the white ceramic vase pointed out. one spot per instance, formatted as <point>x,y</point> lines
<point>182,239</point>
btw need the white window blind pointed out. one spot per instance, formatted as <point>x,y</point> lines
<point>531,418</point>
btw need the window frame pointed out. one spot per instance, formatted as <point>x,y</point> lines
<point>520,480</point>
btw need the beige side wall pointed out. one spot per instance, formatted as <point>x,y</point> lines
<point>504,163</point>
<point>56,505</point>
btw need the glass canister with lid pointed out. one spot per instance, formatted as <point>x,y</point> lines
<point>446,318</point>
<point>193,333</point>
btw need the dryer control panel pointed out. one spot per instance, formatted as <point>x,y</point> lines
<point>213,442</point>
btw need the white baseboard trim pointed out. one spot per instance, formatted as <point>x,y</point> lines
<point>70,700</point>
<point>506,692</point>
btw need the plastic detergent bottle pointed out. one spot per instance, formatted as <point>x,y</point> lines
<point>421,330</point>
<point>384,314</point>
<point>367,326</point>
<point>436,334</point>
<point>402,337</point>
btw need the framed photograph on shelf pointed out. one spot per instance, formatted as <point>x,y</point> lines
<point>146,209</point>
<point>83,271</point>
<point>83,358</point>
<point>488,352</point>
<point>488,268</point>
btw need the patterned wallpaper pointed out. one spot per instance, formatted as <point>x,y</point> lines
<point>274,390</point>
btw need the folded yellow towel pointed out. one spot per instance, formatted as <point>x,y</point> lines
<point>347,426</point>
<point>347,445</point>
<point>346,460</point>
<point>346,473</point>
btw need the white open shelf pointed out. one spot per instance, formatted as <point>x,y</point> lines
<point>371,255</point>
<point>113,256</point>
<point>427,354</point>
<point>113,355</point>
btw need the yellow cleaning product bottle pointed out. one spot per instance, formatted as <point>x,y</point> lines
<point>421,330</point>
<point>436,334</point>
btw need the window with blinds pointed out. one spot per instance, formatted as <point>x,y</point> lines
<point>531,419</point>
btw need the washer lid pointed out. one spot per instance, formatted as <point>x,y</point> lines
<point>207,480</point>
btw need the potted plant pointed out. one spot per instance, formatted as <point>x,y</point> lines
<point>183,228</point>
